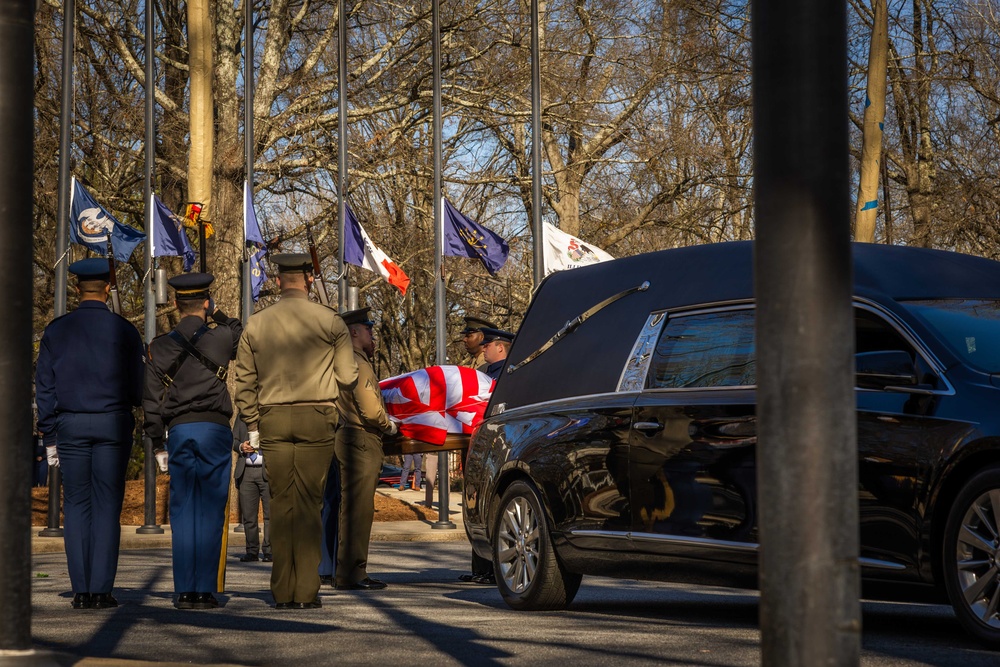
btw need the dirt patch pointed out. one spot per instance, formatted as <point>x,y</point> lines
<point>134,514</point>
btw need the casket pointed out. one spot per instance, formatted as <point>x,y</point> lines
<point>399,445</point>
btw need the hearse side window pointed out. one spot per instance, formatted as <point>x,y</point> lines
<point>705,350</point>
<point>872,333</point>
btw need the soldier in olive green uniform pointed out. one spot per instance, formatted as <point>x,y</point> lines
<point>294,360</point>
<point>359,451</point>
<point>472,336</point>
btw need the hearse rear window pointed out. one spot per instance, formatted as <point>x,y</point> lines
<point>705,350</point>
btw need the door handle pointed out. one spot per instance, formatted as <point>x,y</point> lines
<point>649,428</point>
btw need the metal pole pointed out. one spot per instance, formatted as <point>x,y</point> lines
<point>16,136</point>
<point>62,224</point>
<point>149,462</point>
<point>443,522</point>
<point>248,147</point>
<point>807,438</point>
<point>537,245</point>
<point>341,153</point>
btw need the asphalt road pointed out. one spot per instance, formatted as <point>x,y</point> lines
<point>426,617</point>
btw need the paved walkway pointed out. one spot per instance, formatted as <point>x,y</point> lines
<point>382,531</point>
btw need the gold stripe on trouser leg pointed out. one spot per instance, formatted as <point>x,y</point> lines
<point>220,584</point>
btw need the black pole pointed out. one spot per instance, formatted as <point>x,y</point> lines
<point>52,527</point>
<point>203,255</point>
<point>16,136</point>
<point>150,527</point>
<point>807,437</point>
<point>248,149</point>
<point>537,233</point>
<point>341,154</point>
<point>444,521</point>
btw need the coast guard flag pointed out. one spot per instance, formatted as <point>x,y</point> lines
<point>464,237</point>
<point>563,251</point>
<point>90,223</point>
<point>255,242</point>
<point>432,402</point>
<point>168,237</point>
<point>360,251</point>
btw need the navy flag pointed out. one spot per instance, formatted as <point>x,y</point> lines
<point>90,224</point>
<point>168,237</point>
<point>464,237</point>
<point>255,244</point>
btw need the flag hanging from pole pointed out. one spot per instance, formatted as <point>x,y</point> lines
<point>255,243</point>
<point>564,251</point>
<point>90,225</point>
<point>464,237</point>
<point>168,237</point>
<point>360,251</point>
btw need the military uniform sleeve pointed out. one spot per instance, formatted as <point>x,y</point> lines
<point>246,383</point>
<point>368,399</point>
<point>45,393</point>
<point>152,422</point>
<point>234,324</point>
<point>137,367</point>
<point>344,365</point>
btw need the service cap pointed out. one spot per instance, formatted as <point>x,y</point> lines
<point>191,286</point>
<point>93,268</point>
<point>359,316</point>
<point>473,323</point>
<point>292,261</point>
<point>491,334</point>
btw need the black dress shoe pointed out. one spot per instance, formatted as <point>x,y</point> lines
<point>249,558</point>
<point>267,558</point>
<point>81,601</point>
<point>326,580</point>
<point>103,601</point>
<point>315,604</point>
<point>467,578</point>
<point>486,579</point>
<point>185,601</point>
<point>205,601</point>
<point>366,584</point>
<point>286,605</point>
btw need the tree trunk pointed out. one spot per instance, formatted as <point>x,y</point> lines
<point>871,151</point>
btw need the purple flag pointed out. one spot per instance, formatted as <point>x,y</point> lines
<point>464,237</point>
<point>168,237</point>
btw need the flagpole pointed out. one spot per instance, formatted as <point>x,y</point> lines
<point>149,464</point>
<point>341,154</point>
<point>248,151</point>
<point>537,246</point>
<point>444,520</point>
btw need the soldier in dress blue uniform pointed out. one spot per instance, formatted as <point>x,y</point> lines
<point>186,396</point>
<point>496,345</point>
<point>88,378</point>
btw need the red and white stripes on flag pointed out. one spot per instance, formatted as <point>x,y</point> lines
<point>432,402</point>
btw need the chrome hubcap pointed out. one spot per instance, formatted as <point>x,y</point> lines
<point>517,545</point>
<point>977,557</point>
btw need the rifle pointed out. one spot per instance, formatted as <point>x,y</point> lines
<point>116,304</point>
<point>317,273</point>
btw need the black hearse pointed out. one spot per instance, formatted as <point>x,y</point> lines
<point>620,439</point>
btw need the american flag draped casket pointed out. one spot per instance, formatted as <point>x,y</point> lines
<point>436,408</point>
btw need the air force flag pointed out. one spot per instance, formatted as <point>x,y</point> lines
<point>90,226</point>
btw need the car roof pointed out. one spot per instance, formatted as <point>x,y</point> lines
<point>590,359</point>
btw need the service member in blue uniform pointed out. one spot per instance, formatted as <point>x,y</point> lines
<point>88,378</point>
<point>186,397</point>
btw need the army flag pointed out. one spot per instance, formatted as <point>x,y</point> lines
<point>564,251</point>
<point>167,235</point>
<point>255,244</point>
<point>90,225</point>
<point>432,402</point>
<point>464,237</point>
<point>360,251</point>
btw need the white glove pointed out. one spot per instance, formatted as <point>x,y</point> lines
<point>52,455</point>
<point>255,439</point>
<point>161,459</point>
<point>393,427</point>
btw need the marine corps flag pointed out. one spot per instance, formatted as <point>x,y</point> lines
<point>167,235</point>
<point>90,223</point>
<point>564,251</point>
<point>360,251</point>
<point>464,237</point>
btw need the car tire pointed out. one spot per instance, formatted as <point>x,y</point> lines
<point>971,552</point>
<point>528,572</point>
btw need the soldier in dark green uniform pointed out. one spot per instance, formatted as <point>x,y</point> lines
<point>294,360</point>
<point>359,452</point>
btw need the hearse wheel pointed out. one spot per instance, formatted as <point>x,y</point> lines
<point>529,575</point>
<point>972,556</point>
